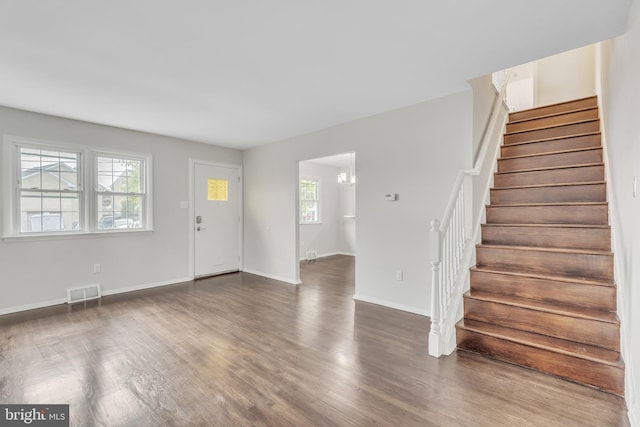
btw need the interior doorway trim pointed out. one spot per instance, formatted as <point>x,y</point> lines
<point>192,212</point>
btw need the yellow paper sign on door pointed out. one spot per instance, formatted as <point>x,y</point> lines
<point>217,190</point>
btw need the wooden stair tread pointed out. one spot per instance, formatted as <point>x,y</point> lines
<point>494,205</point>
<point>592,226</point>
<point>545,116</point>
<point>551,153</point>
<point>556,104</point>
<point>550,168</point>
<point>576,122</point>
<point>547,307</point>
<point>578,135</point>
<point>543,249</point>
<point>560,184</point>
<point>554,277</point>
<point>552,138</point>
<point>570,348</point>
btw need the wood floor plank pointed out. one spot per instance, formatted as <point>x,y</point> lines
<point>242,350</point>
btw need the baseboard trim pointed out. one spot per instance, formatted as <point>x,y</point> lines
<point>393,305</point>
<point>59,301</point>
<point>630,387</point>
<point>330,254</point>
<point>634,419</point>
<point>273,276</point>
<point>34,306</point>
<point>146,286</point>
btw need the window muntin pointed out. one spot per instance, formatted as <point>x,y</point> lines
<point>309,201</point>
<point>49,194</point>
<point>120,192</point>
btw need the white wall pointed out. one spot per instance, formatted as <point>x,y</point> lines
<point>521,88</point>
<point>415,152</point>
<point>566,76</point>
<point>347,225</point>
<point>619,92</point>
<point>484,101</point>
<point>484,94</point>
<point>34,272</point>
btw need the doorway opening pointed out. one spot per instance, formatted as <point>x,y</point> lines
<point>327,207</point>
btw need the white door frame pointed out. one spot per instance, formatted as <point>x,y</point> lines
<point>192,211</point>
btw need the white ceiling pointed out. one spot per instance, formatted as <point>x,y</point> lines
<point>241,73</point>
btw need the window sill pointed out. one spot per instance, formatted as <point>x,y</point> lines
<point>78,235</point>
<point>311,223</point>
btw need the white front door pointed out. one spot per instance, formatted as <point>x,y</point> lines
<point>217,219</point>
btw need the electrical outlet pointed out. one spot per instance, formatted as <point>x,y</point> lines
<point>96,268</point>
<point>399,275</point>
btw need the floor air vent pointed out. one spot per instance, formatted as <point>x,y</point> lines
<point>85,293</point>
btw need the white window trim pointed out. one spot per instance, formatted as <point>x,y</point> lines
<point>147,220</point>
<point>87,181</point>
<point>318,200</point>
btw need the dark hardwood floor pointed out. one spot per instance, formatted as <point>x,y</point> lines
<point>240,350</point>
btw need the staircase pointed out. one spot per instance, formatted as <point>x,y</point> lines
<point>542,293</point>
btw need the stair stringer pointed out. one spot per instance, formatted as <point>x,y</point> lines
<point>619,269</point>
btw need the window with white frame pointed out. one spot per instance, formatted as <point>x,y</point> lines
<point>68,189</point>
<point>120,195</point>
<point>309,200</point>
<point>49,193</point>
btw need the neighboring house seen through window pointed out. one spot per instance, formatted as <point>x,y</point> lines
<point>50,194</point>
<point>65,190</point>
<point>309,200</point>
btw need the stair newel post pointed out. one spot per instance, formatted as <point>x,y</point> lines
<point>436,293</point>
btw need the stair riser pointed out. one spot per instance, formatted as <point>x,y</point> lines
<point>587,141</point>
<point>553,120</point>
<point>551,160</point>
<point>550,291</point>
<point>586,331</point>
<point>587,214</point>
<point>552,176</point>
<point>553,109</point>
<point>570,193</point>
<point>553,132</point>
<point>601,376</point>
<point>597,266</point>
<point>550,237</point>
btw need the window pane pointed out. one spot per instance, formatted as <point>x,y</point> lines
<point>50,211</point>
<point>105,174</point>
<point>118,212</point>
<point>217,190</point>
<point>119,175</point>
<point>309,211</point>
<point>48,170</point>
<point>308,190</point>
